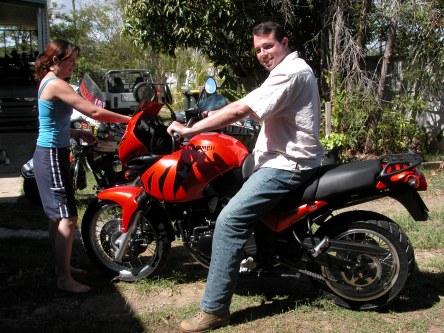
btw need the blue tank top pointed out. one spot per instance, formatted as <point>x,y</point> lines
<point>54,122</point>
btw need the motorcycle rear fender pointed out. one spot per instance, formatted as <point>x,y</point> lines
<point>125,197</point>
<point>414,204</point>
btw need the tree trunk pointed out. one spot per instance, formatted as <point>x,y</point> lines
<point>335,45</point>
<point>360,38</point>
<point>375,118</point>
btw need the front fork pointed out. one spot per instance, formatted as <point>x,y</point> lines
<point>130,199</point>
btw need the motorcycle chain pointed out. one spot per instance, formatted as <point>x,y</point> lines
<point>316,276</point>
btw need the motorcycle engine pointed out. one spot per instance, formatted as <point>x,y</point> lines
<point>204,242</point>
<point>203,224</point>
<point>198,227</point>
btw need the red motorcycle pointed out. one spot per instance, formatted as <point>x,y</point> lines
<point>362,258</point>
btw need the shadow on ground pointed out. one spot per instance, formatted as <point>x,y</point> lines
<point>31,303</point>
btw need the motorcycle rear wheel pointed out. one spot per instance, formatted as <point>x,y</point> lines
<point>31,190</point>
<point>148,248</point>
<point>373,281</point>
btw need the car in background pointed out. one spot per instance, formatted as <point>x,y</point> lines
<point>121,87</point>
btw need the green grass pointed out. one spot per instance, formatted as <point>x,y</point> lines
<point>434,157</point>
<point>424,235</point>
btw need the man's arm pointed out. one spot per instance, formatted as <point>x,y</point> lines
<point>217,119</point>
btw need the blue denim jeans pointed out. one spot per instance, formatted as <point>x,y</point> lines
<point>262,191</point>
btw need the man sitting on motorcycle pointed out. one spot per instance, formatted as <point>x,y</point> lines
<point>287,153</point>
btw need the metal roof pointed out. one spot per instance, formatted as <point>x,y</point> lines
<point>20,13</point>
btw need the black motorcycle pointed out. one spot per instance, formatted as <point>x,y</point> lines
<point>100,159</point>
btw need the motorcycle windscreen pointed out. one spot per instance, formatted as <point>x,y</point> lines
<point>91,91</point>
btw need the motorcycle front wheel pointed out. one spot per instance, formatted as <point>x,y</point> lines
<point>374,280</point>
<point>147,250</point>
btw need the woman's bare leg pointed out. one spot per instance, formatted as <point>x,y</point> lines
<point>62,234</point>
<point>53,226</point>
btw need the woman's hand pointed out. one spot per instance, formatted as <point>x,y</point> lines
<point>86,136</point>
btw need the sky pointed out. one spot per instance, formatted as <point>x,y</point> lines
<point>68,3</point>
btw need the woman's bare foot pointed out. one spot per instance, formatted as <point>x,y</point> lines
<point>72,286</point>
<point>75,270</point>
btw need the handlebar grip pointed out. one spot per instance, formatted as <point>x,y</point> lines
<point>176,136</point>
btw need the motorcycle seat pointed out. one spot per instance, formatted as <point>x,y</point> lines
<point>335,180</point>
<point>343,179</point>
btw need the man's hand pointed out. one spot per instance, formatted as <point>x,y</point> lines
<point>178,128</point>
<point>206,114</point>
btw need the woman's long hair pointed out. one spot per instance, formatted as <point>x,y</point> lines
<point>59,48</point>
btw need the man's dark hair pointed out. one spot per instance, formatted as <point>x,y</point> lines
<point>267,28</point>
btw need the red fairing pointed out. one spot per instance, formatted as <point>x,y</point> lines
<point>183,175</point>
<point>130,146</point>
<point>280,220</point>
<point>125,197</point>
<point>414,177</point>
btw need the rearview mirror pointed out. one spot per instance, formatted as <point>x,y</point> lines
<point>210,86</point>
<point>167,98</point>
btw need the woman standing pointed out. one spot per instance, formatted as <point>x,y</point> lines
<point>56,100</point>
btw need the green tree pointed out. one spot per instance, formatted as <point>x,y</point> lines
<point>384,67</point>
<point>380,68</point>
<point>411,33</point>
<point>220,29</point>
<point>97,29</point>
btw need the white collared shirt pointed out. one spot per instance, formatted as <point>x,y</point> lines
<point>288,105</point>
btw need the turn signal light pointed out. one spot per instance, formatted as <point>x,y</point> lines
<point>130,175</point>
<point>414,182</point>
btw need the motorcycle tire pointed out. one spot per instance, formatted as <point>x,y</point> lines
<point>79,180</point>
<point>374,281</point>
<point>148,248</point>
<point>31,190</point>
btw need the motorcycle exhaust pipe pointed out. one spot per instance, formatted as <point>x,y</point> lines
<point>321,247</point>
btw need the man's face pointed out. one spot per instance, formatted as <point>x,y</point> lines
<point>269,51</point>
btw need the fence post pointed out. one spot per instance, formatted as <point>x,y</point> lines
<point>327,118</point>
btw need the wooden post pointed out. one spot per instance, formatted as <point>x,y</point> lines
<point>327,118</point>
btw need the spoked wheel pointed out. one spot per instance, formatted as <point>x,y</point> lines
<point>373,280</point>
<point>147,250</point>
<point>79,180</point>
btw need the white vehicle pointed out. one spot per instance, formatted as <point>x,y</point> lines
<point>120,88</point>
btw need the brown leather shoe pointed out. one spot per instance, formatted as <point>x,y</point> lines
<point>203,322</point>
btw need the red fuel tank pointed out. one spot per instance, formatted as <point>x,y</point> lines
<point>183,175</point>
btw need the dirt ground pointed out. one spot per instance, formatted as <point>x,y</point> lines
<point>20,148</point>
<point>126,307</point>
